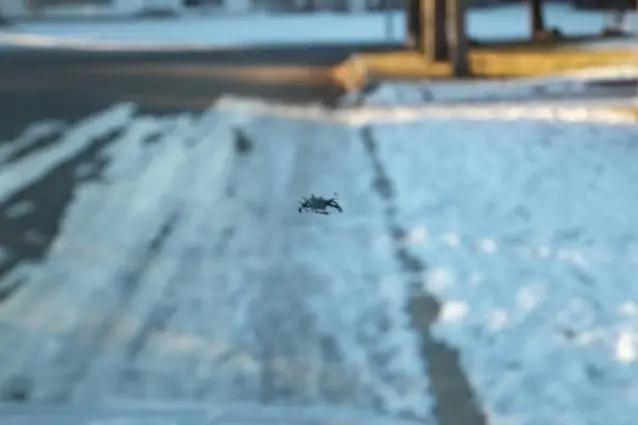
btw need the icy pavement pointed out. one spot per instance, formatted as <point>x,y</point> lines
<point>503,22</point>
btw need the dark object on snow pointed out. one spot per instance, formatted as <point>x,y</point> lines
<point>16,389</point>
<point>243,145</point>
<point>3,21</point>
<point>319,205</point>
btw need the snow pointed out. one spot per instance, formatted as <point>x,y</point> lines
<point>242,283</point>
<point>567,111</point>
<point>29,137</point>
<point>202,32</point>
<point>570,83</point>
<point>533,255</point>
<point>512,20</point>
<point>523,224</point>
<point>19,209</point>
<point>519,211</point>
<point>22,173</point>
<point>194,32</point>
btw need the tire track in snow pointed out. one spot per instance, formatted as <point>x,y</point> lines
<point>124,368</point>
<point>519,322</point>
<point>328,303</point>
<point>455,399</point>
<point>250,301</point>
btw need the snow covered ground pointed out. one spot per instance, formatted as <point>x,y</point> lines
<point>244,299</point>
<point>524,227</point>
<point>241,30</point>
<point>523,224</point>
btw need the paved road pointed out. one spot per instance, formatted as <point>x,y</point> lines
<point>140,260</point>
<point>69,86</point>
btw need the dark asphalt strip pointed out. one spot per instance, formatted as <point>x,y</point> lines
<point>455,399</point>
<point>281,54</point>
<point>29,236</point>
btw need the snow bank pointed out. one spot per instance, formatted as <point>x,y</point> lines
<point>569,111</point>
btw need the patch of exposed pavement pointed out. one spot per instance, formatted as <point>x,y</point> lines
<point>455,398</point>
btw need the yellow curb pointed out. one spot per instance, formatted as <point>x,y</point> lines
<point>484,62</point>
<point>306,75</point>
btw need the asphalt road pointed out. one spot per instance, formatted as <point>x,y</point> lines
<point>70,85</point>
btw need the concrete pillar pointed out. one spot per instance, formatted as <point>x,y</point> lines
<point>457,37</point>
